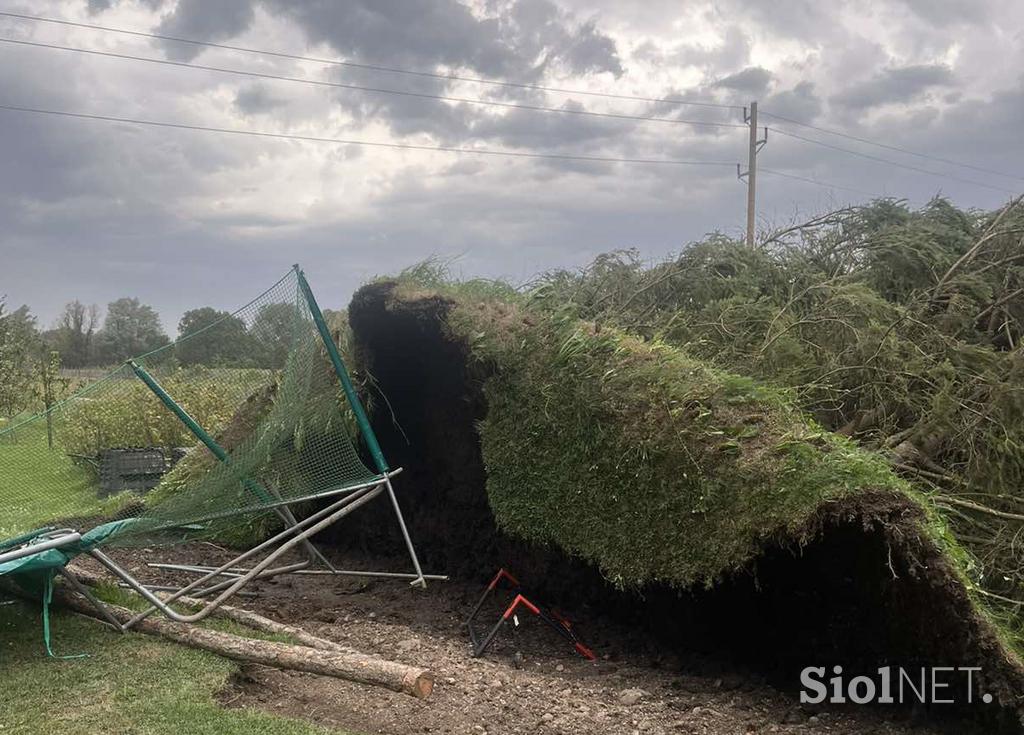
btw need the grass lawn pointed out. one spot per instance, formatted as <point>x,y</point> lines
<point>39,484</point>
<point>129,683</point>
<point>33,490</point>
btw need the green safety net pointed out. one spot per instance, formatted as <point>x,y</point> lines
<point>260,383</point>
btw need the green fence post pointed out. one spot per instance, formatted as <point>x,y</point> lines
<point>346,382</point>
<point>283,512</point>
<point>198,431</point>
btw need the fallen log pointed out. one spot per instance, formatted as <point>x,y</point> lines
<point>267,625</point>
<point>238,615</point>
<point>346,665</point>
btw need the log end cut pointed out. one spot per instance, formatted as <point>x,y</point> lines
<point>419,683</point>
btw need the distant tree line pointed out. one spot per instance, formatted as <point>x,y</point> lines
<point>30,370</point>
<point>33,361</point>
<point>130,328</point>
<point>217,338</point>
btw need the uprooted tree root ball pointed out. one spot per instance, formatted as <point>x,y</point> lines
<point>622,472</point>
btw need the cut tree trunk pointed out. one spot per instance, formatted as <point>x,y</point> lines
<point>238,615</point>
<point>259,622</point>
<point>347,665</point>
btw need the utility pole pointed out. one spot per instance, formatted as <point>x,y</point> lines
<point>751,173</point>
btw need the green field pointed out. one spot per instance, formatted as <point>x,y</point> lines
<point>167,688</point>
<point>41,485</point>
<point>129,683</point>
<point>36,488</point>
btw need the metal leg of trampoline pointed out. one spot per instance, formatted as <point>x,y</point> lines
<point>207,591</point>
<point>312,553</point>
<point>420,580</point>
<point>238,571</point>
<point>71,537</point>
<point>288,539</point>
<point>172,588</point>
<point>85,592</point>
<point>416,579</point>
<point>231,575</point>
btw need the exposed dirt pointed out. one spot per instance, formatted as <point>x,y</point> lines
<point>720,661</point>
<point>858,587</point>
<point>531,681</point>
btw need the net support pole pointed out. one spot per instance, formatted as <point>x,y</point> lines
<point>343,377</point>
<point>218,451</point>
<point>198,431</point>
<point>360,414</point>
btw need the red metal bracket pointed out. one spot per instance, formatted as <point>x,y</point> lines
<point>562,626</point>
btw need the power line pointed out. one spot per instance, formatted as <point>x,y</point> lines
<point>890,162</point>
<point>898,149</point>
<point>378,144</point>
<point>378,90</point>
<point>479,80</point>
<point>370,67</point>
<point>816,182</point>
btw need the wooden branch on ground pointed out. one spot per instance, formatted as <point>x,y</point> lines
<point>346,665</point>
<point>992,307</point>
<point>983,509</point>
<point>1018,603</point>
<point>238,615</point>
<point>259,622</point>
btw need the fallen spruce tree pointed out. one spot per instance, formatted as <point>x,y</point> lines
<point>899,328</point>
<point>657,468</point>
<point>846,395</point>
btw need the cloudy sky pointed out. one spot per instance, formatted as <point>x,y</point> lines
<point>95,210</point>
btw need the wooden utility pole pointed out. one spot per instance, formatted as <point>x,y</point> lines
<point>751,173</point>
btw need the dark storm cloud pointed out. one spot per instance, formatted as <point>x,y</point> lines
<point>548,132</point>
<point>539,29</point>
<point>522,39</point>
<point>255,99</point>
<point>405,115</point>
<point>97,211</point>
<point>752,80</point>
<point>790,19</point>
<point>98,6</point>
<point>518,40</point>
<point>983,131</point>
<point>425,34</point>
<point>899,84</point>
<point>591,51</point>
<point>204,21</point>
<point>801,102</point>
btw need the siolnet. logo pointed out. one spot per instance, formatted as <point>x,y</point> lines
<point>892,685</point>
